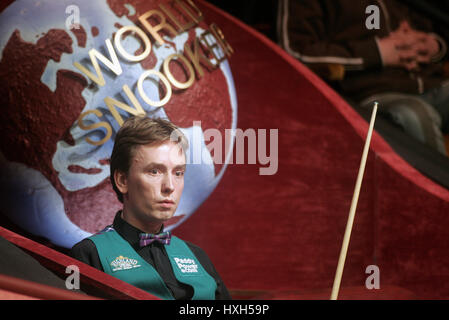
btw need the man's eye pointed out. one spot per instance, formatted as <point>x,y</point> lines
<point>154,171</point>
<point>179,173</point>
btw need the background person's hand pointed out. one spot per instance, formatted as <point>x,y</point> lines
<point>424,44</point>
<point>426,48</point>
<point>406,47</point>
<point>397,51</point>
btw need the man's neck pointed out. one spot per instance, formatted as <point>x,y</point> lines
<point>149,227</point>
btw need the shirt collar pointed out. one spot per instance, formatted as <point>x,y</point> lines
<point>128,231</point>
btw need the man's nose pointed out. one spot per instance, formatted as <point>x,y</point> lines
<point>168,185</point>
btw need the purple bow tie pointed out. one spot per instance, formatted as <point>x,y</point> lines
<point>147,238</point>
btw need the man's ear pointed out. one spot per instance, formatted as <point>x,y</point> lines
<point>121,181</point>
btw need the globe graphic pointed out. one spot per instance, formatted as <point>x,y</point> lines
<point>54,183</point>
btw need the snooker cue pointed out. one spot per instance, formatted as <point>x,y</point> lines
<point>355,198</point>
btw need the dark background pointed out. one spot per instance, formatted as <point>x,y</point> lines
<point>259,14</point>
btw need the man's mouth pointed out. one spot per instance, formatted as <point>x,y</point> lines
<point>167,203</point>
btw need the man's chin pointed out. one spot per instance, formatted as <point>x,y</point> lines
<point>164,216</point>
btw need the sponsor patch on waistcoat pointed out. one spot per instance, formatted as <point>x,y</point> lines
<point>124,263</point>
<point>186,265</point>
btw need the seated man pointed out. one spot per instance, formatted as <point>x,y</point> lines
<point>148,162</point>
<point>399,62</point>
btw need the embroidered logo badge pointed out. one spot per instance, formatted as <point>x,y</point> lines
<point>124,263</point>
<point>186,265</point>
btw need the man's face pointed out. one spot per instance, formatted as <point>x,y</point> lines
<point>153,186</point>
